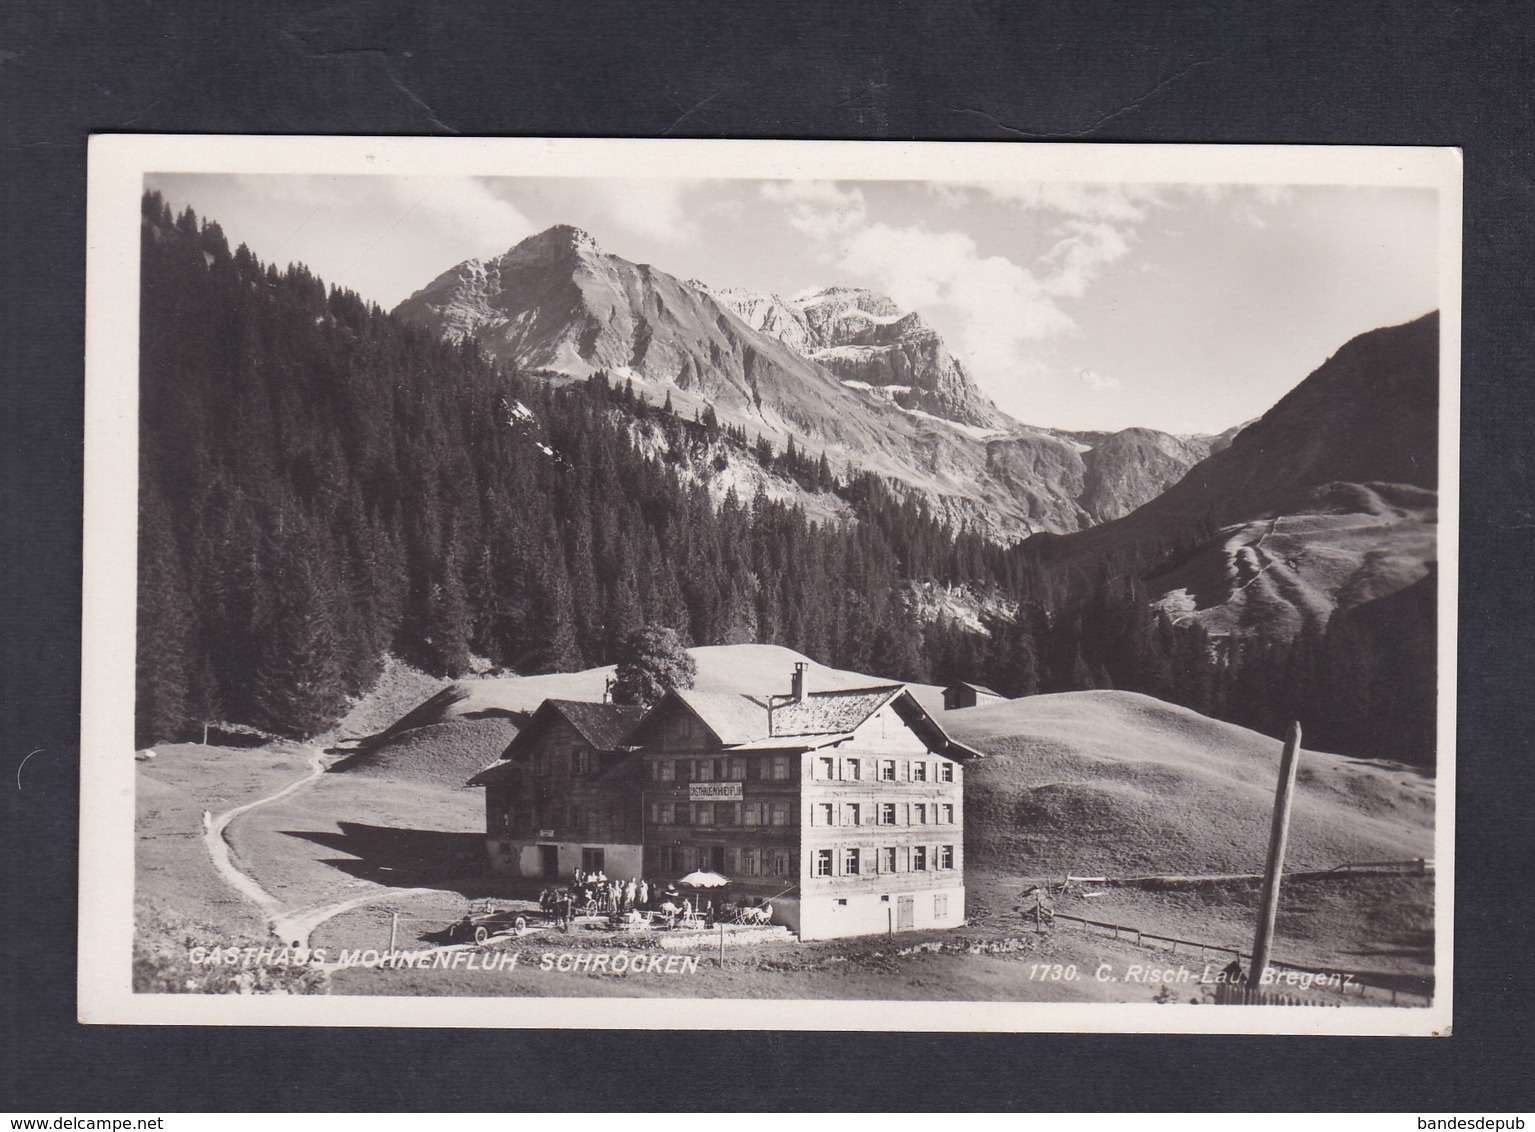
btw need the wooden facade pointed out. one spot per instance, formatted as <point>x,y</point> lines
<point>964,695</point>
<point>566,795</point>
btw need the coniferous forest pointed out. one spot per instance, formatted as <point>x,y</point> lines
<point>322,486</point>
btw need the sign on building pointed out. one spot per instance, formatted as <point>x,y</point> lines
<point>714,792</point>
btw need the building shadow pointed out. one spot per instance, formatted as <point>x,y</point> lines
<point>399,857</point>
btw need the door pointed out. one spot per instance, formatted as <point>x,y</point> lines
<point>549,861</point>
<point>905,915</point>
<point>717,858</point>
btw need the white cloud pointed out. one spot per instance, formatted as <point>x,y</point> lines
<point>469,212</point>
<point>652,207</point>
<point>461,212</point>
<point>997,305</point>
<point>1085,248</point>
<point>1121,203</point>
<point>818,208</point>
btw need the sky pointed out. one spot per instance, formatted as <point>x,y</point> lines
<point>1186,308</point>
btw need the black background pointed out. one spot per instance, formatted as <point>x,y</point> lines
<point>1308,72</point>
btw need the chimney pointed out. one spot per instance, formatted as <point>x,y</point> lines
<point>797,685</point>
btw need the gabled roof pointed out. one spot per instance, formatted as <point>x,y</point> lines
<point>818,719</point>
<point>604,726</point>
<point>981,688</point>
<point>734,718</point>
<point>825,713</point>
<point>501,768</point>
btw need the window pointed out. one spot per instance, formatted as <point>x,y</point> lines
<point>823,862</point>
<point>887,813</point>
<point>738,770</point>
<point>940,905</point>
<point>854,770</point>
<point>751,813</point>
<point>850,862</point>
<point>592,860</point>
<point>828,769</point>
<point>780,813</point>
<point>887,770</point>
<point>580,761</point>
<point>946,856</point>
<point>541,762</point>
<point>919,814</point>
<point>703,770</point>
<point>919,859</point>
<point>825,813</point>
<point>919,772</point>
<point>727,813</point>
<point>854,813</point>
<point>668,770</point>
<point>781,863</point>
<point>887,859</point>
<point>703,813</point>
<point>748,862</point>
<point>945,772</point>
<point>684,725</point>
<point>948,813</point>
<point>778,768</point>
<point>665,813</point>
<point>577,818</point>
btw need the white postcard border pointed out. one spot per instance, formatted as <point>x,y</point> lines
<point>117,167</point>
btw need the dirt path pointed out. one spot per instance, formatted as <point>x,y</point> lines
<point>291,925</point>
<point>218,847</point>
<point>294,927</point>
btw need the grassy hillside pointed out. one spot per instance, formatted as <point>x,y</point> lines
<point>1351,544</point>
<point>1119,783</point>
<point>465,725</point>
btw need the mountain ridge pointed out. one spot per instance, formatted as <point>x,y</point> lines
<point>841,370</point>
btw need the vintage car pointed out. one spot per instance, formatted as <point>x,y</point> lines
<point>485,920</point>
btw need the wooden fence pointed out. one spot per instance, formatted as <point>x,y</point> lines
<point>1235,994</point>
<point>1206,951</point>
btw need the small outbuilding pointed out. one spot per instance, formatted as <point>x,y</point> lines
<point>963,695</point>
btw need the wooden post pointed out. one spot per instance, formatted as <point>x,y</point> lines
<point>394,930</point>
<point>722,945</point>
<point>1273,869</point>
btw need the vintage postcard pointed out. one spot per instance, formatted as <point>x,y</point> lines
<point>795,585</point>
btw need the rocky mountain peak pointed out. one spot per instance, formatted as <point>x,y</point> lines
<point>552,243</point>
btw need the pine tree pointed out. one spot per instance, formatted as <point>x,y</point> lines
<point>653,663</point>
<point>297,686</point>
<point>165,629</point>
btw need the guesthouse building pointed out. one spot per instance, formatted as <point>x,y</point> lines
<point>842,809</point>
<point>566,794</point>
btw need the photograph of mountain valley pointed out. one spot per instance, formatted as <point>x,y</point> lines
<point>741,589</point>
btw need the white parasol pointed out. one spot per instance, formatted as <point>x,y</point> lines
<point>702,878</point>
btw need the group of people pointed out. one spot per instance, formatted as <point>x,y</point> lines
<point>614,896</point>
<point>637,900</point>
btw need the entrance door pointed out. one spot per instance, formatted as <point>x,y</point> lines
<point>717,858</point>
<point>549,861</point>
<point>905,913</point>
